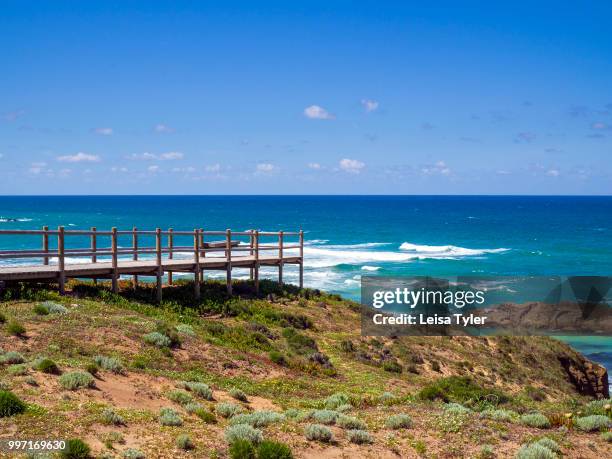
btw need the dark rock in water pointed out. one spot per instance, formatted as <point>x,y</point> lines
<point>588,377</point>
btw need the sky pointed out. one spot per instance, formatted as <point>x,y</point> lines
<point>313,97</point>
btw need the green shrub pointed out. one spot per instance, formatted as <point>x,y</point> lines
<point>456,408</point>
<point>387,398</point>
<point>169,332</point>
<point>92,369</point>
<point>238,395</point>
<point>76,380</point>
<point>76,449</point>
<point>335,400</point>
<point>18,370</point>
<point>242,449</point>
<point>192,407</point>
<point>344,408</point>
<point>325,416</point>
<point>10,404</point>
<point>299,343</point>
<point>350,422</point>
<point>243,432</point>
<point>157,339</point>
<point>498,415</point>
<point>359,437</point>
<point>535,420</point>
<point>460,389</point>
<point>278,358</point>
<point>2,318</point>
<point>486,452</point>
<point>41,310</point>
<point>598,407</point>
<point>180,396</point>
<point>257,418</point>
<point>593,423</point>
<point>269,449</point>
<point>184,442</point>
<point>185,329</point>
<point>109,363</point>
<point>15,328</point>
<point>205,415</point>
<point>12,357</point>
<point>200,389</point>
<point>392,367</point>
<point>132,453</point>
<point>399,421</point>
<point>53,308</point>
<point>228,409</point>
<point>535,451</point>
<point>110,417</point>
<point>46,366</point>
<point>607,436</point>
<point>169,417</point>
<point>549,443</point>
<point>318,432</point>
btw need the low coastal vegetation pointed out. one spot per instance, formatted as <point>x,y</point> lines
<point>276,375</point>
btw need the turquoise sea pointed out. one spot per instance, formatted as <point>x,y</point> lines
<point>350,236</point>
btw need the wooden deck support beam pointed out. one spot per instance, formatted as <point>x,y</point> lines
<point>158,262</point>
<point>45,245</point>
<point>228,256</point>
<point>61,275</point>
<point>135,254</point>
<point>94,248</point>
<point>301,259</point>
<point>256,267</point>
<point>196,267</point>
<point>280,256</point>
<point>170,252</point>
<point>115,273</point>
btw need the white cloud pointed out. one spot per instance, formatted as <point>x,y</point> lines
<point>553,173</point>
<point>315,166</point>
<point>37,167</point>
<point>186,170</point>
<point>213,168</point>
<point>171,155</point>
<point>600,126</point>
<point>12,116</point>
<point>103,131</point>
<point>352,166</point>
<point>316,112</point>
<point>439,167</point>
<point>146,156</point>
<point>163,128</point>
<point>265,168</point>
<point>79,158</point>
<point>369,105</point>
<point>119,169</point>
<point>153,169</point>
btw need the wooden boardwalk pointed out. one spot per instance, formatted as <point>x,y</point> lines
<point>55,261</point>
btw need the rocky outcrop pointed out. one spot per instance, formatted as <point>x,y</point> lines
<point>588,377</point>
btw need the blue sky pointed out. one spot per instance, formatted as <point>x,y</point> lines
<point>305,97</point>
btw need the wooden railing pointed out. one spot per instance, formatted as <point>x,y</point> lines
<point>248,242</point>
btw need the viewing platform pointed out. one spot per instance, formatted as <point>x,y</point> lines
<point>147,253</point>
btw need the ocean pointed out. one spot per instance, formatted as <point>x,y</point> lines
<point>350,236</point>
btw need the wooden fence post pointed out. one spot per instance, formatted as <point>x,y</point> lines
<point>159,270</point>
<point>251,243</point>
<point>45,244</point>
<point>256,262</point>
<point>280,258</point>
<point>170,255</point>
<point>114,274</point>
<point>202,251</point>
<point>135,254</point>
<point>94,248</point>
<point>196,259</point>
<point>228,254</point>
<point>60,260</point>
<point>301,259</point>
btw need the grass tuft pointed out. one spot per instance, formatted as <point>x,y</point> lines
<point>76,380</point>
<point>10,404</point>
<point>318,432</point>
<point>243,432</point>
<point>399,421</point>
